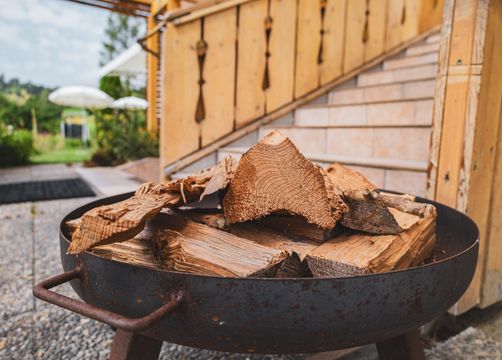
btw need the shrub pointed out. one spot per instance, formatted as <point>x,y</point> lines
<point>15,147</point>
<point>121,136</point>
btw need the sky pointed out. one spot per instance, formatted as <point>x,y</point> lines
<point>51,42</point>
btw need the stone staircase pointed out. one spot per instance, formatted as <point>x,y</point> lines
<point>378,123</point>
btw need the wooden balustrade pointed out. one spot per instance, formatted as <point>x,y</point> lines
<point>240,60</point>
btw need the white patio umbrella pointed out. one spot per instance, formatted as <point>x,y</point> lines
<point>130,103</point>
<point>86,97</point>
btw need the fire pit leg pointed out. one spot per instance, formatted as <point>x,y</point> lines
<point>131,346</point>
<point>407,346</point>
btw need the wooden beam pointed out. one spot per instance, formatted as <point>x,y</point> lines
<point>205,9</point>
<point>488,156</point>
<point>152,69</point>
<point>466,121</point>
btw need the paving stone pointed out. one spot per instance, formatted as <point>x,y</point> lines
<point>16,276</point>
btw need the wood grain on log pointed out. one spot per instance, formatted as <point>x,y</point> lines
<point>134,252</point>
<point>355,253</point>
<point>184,245</point>
<point>274,176</point>
<point>123,220</point>
<point>345,179</point>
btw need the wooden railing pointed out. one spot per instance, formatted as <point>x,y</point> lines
<point>228,65</point>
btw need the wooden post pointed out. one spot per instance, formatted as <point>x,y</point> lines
<point>465,121</point>
<point>152,64</point>
<point>490,111</point>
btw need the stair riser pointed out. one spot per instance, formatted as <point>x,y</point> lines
<point>422,49</point>
<point>398,75</point>
<point>386,143</point>
<point>433,39</point>
<point>393,92</point>
<point>406,113</point>
<point>405,62</point>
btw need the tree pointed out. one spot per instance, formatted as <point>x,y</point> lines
<point>120,33</point>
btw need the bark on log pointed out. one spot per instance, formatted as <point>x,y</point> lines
<point>273,176</point>
<point>123,220</point>
<point>369,209</point>
<point>184,245</point>
<point>352,254</point>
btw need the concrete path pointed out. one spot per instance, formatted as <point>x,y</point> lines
<point>108,181</point>
<point>37,173</point>
<point>105,181</point>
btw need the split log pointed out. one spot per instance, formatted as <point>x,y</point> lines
<point>369,209</point>
<point>290,226</point>
<point>345,179</point>
<point>134,252</point>
<point>352,254</point>
<point>255,231</point>
<point>123,220</point>
<point>273,176</point>
<point>184,245</point>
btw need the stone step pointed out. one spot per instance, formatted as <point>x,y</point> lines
<point>408,61</point>
<point>397,143</point>
<point>423,49</point>
<point>396,113</point>
<point>397,75</point>
<point>411,90</point>
<point>433,38</point>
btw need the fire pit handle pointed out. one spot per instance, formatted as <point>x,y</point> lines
<point>42,291</point>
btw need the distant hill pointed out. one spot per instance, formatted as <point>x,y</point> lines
<point>14,86</point>
<point>20,100</point>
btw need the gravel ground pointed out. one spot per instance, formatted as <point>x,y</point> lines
<point>33,329</point>
<point>472,344</point>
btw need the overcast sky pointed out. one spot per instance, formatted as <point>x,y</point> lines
<point>50,42</point>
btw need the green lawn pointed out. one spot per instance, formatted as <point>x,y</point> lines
<point>66,155</point>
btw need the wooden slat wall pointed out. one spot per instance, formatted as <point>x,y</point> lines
<point>251,62</point>
<point>354,45</point>
<point>307,47</point>
<point>334,37</point>
<point>355,32</point>
<point>219,75</point>
<point>431,12</point>
<point>179,133</point>
<point>282,53</point>
<point>376,29</point>
<point>395,10</point>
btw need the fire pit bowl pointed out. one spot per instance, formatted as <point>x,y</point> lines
<point>268,315</point>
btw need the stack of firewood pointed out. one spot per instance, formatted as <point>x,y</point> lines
<point>279,215</point>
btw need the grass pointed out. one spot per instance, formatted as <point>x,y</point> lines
<point>65,155</point>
